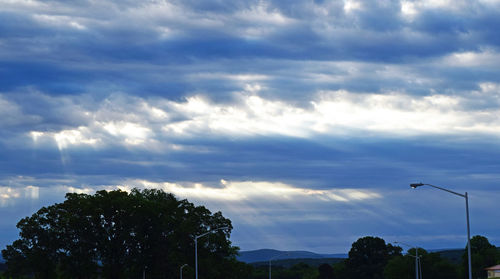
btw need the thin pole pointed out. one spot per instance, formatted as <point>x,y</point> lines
<point>286,253</point>
<point>269,269</point>
<point>416,262</point>
<point>468,234</point>
<point>420,267</point>
<point>417,258</point>
<point>196,256</point>
<point>182,266</point>
<point>196,247</point>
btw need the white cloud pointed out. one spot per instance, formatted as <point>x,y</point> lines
<point>333,113</point>
<point>138,122</point>
<point>262,14</point>
<point>60,21</point>
<point>227,76</point>
<point>79,136</point>
<point>408,10</point>
<point>132,133</point>
<point>10,195</point>
<point>483,58</point>
<point>352,5</point>
<point>255,190</point>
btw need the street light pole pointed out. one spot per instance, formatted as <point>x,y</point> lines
<point>418,264</point>
<point>184,265</point>
<point>466,196</point>
<point>196,247</point>
<point>417,258</point>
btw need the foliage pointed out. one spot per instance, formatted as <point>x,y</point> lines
<point>483,255</point>
<point>297,271</point>
<point>340,270</point>
<point>431,264</point>
<point>368,257</point>
<point>435,267</point>
<point>121,235</point>
<point>325,271</point>
<point>400,267</point>
<point>287,263</point>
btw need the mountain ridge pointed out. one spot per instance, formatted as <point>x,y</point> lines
<point>264,255</point>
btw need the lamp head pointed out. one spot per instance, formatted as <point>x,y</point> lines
<point>415,185</point>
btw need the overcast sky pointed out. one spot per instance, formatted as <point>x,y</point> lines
<point>304,122</point>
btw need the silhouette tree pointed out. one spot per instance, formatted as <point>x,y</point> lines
<point>368,257</point>
<point>120,235</point>
<point>325,271</point>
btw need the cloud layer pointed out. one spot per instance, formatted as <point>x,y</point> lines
<point>319,112</point>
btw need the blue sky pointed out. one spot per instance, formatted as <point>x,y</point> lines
<point>303,122</point>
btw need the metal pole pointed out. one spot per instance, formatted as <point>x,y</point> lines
<point>420,267</point>
<point>182,266</point>
<point>466,196</point>
<point>417,258</point>
<point>269,269</point>
<point>196,247</point>
<point>468,234</point>
<point>416,262</point>
<point>196,256</point>
<point>286,253</point>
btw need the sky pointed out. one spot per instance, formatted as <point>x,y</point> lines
<point>304,122</point>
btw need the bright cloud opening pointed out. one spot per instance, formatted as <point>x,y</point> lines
<point>252,190</point>
<point>79,136</point>
<point>132,133</point>
<point>332,113</point>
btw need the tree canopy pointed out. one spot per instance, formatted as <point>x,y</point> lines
<point>368,257</point>
<point>484,255</point>
<point>117,234</point>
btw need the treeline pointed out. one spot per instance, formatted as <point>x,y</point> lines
<point>150,234</point>
<point>372,258</point>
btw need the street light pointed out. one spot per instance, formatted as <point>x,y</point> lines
<point>184,265</point>
<point>417,258</point>
<point>419,264</point>
<point>196,247</point>
<point>286,253</point>
<point>415,185</point>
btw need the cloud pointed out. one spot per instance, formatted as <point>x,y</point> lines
<point>11,115</point>
<point>134,121</point>
<point>318,105</point>
<point>262,190</point>
<point>10,196</point>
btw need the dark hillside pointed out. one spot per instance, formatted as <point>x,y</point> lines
<point>287,263</point>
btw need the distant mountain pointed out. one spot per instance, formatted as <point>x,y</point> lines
<point>264,255</point>
<point>452,255</point>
